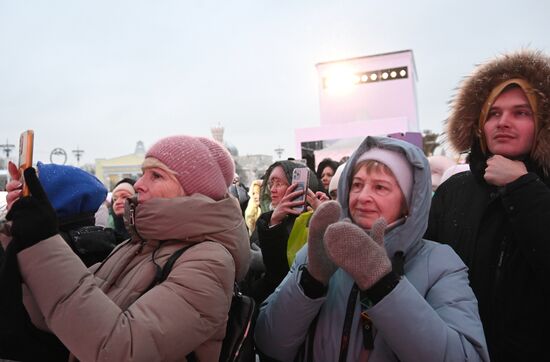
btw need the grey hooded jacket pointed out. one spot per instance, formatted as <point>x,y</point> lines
<point>431,315</point>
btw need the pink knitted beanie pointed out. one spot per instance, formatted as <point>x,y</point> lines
<point>202,165</point>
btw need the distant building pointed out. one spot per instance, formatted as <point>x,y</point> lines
<point>110,171</point>
<point>249,167</point>
<point>252,167</point>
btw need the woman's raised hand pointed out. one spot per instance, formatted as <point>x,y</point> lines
<point>362,255</point>
<point>286,205</point>
<point>316,199</point>
<point>15,186</point>
<point>33,217</point>
<point>319,264</point>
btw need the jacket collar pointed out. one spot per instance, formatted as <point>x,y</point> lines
<point>191,219</point>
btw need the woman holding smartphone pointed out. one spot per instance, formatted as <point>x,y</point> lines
<point>115,311</point>
<point>275,226</point>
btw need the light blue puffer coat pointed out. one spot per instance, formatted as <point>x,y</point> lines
<point>431,315</point>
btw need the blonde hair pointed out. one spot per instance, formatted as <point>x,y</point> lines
<point>495,93</point>
<point>253,210</point>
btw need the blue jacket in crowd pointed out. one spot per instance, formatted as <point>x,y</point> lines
<point>431,315</point>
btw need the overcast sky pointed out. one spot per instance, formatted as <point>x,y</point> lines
<point>100,75</point>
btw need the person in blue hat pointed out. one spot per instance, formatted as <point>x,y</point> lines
<point>75,195</point>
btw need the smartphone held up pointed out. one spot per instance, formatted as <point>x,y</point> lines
<point>26,146</point>
<point>300,176</point>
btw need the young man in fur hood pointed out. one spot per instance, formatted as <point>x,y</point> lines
<point>497,216</point>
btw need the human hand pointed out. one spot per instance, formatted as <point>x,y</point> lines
<point>501,171</point>
<point>33,217</point>
<point>319,265</point>
<point>316,199</point>
<point>286,205</point>
<point>15,186</point>
<point>361,255</point>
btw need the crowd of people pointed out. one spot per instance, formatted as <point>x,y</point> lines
<point>388,256</point>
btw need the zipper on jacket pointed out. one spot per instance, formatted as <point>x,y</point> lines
<point>494,321</point>
<point>501,263</point>
<point>140,249</point>
<point>132,216</point>
<point>501,256</point>
<point>132,225</point>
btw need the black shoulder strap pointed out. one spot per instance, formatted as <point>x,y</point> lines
<point>167,268</point>
<point>162,274</point>
<point>344,342</point>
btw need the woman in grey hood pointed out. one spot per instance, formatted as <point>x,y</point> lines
<point>363,289</point>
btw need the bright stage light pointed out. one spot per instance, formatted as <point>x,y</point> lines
<point>340,80</point>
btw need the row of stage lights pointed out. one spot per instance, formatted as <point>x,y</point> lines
<point>372,76</point>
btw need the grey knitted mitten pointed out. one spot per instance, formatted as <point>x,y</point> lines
<point>319,265</point>
<point>361,255</point>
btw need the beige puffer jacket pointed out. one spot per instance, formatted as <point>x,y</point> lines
<point>101,314</point>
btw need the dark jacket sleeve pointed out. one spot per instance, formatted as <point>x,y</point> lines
<point>19,339</point>
<point>273,242</point>
<point>527,203</point>
<point>436,210</point>
<point>443,198</point>
<point>456,211</point>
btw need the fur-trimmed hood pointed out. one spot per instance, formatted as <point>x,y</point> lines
<point>462,126</point>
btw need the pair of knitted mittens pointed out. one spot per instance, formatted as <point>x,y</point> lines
<point>333,243</point>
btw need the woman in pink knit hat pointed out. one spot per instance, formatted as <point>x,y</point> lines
<point>116,311</point>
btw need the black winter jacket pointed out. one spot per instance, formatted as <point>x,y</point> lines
<point>20,340</point>
<point>273,242</point>
<point>503,236</point>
